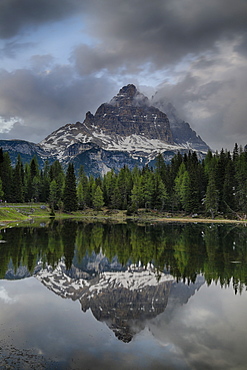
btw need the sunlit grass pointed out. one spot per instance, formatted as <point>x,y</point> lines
<point>10,214</point>
<point>33,211</point>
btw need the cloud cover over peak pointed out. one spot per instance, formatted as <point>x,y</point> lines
<point>63,58</point>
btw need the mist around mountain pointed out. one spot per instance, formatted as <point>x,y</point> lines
<point>181,130</point>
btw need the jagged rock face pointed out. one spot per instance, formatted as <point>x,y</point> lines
<point>129,113</point>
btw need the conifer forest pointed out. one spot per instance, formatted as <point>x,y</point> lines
<point>217,185</point>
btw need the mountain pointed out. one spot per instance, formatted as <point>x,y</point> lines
<point>26,149</point>
<point>129,130</point>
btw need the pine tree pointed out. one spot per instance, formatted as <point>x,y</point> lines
<point>160,193</point>
<point>178,183</point>
<point>185,192</point>
<point>136,194</point>
<point>109,183</point>
<point>17,185</point>
<point>44,182</point>
<point>160,167</point>
<point>56,173</point>
<point>220,177</point>
<point>1,190</point>
<point>83,192</point>
<point>116,199</point>
<point>228,188</point>
<point>147,190</point>
<point>53,197</point>
<point>80,196</point>
<point>241,182</point>
<point>6,176</point>
<point>34,168</point>
<point>196,181</point>
<point>211,199</point>
<point>70,195</point>
<point>124,184</point>
<point>98,200</point>
<point>235,153</point>
<point>36,187</point>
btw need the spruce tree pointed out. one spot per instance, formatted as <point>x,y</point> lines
<point>44,182</point>
<point>1,191</point>
<point>185,192</point>
<point>70,194</point>
<point>211,199</point>
<point>136,194</point>
<point>34,167</point>
<point>109,183</point>
<point>53,197</point>
<point>228,188</point>
<point>17,185</point>
<point>83,193</point>
<point>160,193</point>
<point>98,200</point>
<point>6,175</point>
<point>160,167</point>
<point>147,190</point>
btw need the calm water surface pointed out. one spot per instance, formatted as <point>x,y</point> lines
<point>79,295</point>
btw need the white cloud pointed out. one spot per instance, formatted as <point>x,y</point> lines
<point>6,124</point>
<point>5,297</point>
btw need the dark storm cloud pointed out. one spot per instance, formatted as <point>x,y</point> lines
<point>198,46</point>
<point>161,32</point>
<point>242,45</point>
<point>211,97</point>
<point>42,102</point>
<point>18,14</point>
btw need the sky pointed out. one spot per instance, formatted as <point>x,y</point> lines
<point>62,58</point>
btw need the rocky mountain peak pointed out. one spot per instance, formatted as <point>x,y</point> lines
<point>130,113</point>
<point>129,90</point>
<point>129,96</point>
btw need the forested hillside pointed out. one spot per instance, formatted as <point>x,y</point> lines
<point>216,185</point>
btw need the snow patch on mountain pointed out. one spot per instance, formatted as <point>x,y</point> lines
<point>134,278</point>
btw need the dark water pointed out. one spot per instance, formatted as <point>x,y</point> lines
<point>79,295</point>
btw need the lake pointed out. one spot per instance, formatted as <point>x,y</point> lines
<point>76,295</point>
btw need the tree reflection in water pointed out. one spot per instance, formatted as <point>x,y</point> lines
<point>219,252</point>
<point>125,273</point>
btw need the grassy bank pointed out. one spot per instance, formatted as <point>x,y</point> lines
<point>9,214</point>
<point>23,212</point>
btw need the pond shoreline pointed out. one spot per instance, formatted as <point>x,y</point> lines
<point>25,212</point>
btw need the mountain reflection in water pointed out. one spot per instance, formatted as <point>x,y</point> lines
<point>173,294</point>
<point>124,300</point>
<point>125,273</point>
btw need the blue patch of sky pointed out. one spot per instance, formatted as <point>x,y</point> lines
<point>55,38</point>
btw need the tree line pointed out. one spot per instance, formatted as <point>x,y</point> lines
<point>215,185</point>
